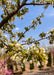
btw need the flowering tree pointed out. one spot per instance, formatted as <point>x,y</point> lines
<point>17,8</point>
<point>33,54</point>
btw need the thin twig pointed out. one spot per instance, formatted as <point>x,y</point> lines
<point>36,40</point>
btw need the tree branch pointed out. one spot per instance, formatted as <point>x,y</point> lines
<point>28,29</point>
<point>23,34</point>
<point>43,38</point>
<point>9,16</point>
<point>37,40</point>
<point>12,14</point>
<point>23,44</point>
<point>4,43</point>
<point>32,41</point>
<point>24,1</point>
<point>37,3</point>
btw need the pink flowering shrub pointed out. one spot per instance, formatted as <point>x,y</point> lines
<point>3,69</point>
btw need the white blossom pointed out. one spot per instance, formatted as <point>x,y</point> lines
<point>25,60</point>
<point>38,63</point>
<point>30,61</point>
<point>16,45</point>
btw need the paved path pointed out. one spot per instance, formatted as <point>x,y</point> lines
<point>40,73</point>
<point>48,71</point>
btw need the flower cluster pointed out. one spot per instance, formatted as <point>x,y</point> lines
<point>32,54</point>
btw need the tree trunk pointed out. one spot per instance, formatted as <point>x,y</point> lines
<point>51,60</point>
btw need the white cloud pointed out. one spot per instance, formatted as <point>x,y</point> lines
<point>16,28</point>
<point>50,14</point>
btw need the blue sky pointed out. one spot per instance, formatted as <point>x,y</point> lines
<point>47,21</point>
<point>34,11</point>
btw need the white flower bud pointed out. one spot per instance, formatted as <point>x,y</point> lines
<point>30,61</point>
<point>5,36</point>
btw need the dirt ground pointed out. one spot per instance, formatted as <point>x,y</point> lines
<point>37,71</point>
